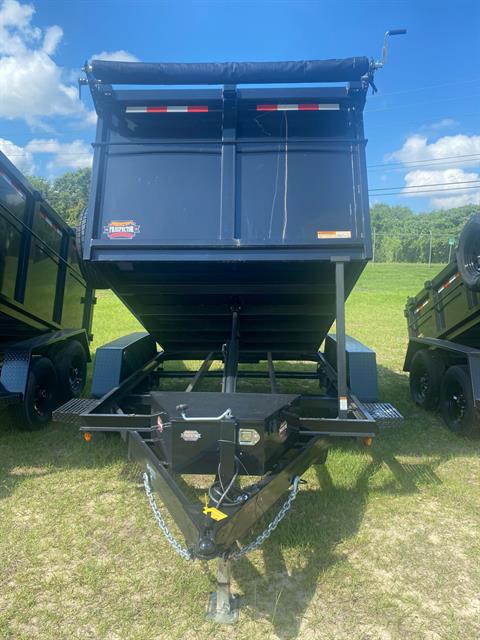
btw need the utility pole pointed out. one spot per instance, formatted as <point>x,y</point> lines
<point>430,249</point>
<point>373,248</point>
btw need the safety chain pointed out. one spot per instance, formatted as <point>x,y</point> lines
<point>236,555</point>
<point>185,553</point>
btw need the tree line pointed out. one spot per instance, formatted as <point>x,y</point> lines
<point>398,234</point>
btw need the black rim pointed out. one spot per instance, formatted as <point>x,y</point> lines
<point>75,376</point>
<point>42,399</point>
<point>456,404</point>
<point>421,384</point>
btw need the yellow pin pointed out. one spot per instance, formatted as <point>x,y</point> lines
<point>213,512</point>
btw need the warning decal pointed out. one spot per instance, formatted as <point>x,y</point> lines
<point>329,235</point>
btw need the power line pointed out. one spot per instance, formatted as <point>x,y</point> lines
<point>414,104</point>
<point>427,87</point>
<point>414,186</point>
<point>410,193</point>
<point>429,160</point>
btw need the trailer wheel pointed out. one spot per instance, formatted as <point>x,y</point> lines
<point>456,403</point>
<point>426,374</point>
<point>468,253</point>
<point>71,366</point>
<point>40,396</point>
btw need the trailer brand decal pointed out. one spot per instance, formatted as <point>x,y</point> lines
<point>332,235</point>
<point>191,435</point>
<point>123,229</point>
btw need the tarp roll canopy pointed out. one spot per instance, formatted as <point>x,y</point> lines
<point>167,73</point>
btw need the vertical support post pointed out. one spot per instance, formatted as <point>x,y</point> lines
<point>374,244</point>
<point>228,223</point>
<point>271,373</point>
<point>430,249</point>
<point>340,337</point>
<point>229,384</point>
<point>222,606</point>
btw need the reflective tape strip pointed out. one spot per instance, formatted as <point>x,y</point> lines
<point>168,109</point>
<point>298,107</point>
<point>50,223</point>
<point>422,306</point>
<point>13,185</point>
<point>448,283</point>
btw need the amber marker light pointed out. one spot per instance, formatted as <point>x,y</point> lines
<point>87,436</point>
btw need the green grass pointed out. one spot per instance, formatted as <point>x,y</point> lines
<point>380,544</point>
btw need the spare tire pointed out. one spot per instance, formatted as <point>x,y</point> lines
<point>88,270</point>
<point>468,253</point>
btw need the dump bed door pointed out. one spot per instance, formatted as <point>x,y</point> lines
<point>232,168</point>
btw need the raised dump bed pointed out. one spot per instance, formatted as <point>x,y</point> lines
<point>443,319</point>
<point>45,304</point>
<point>233,222</point>
<point>204,201</point>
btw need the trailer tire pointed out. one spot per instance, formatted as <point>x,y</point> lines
<point>456,403</point>
<point>70,361</point>
<point>35,411</point>
<point>468,253</point>
<point>426,373</point>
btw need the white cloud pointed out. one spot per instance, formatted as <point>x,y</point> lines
<point>445,123</point>
<point>21,157</point>
<point>450,186</point>
<point>417,148</point>
<point>53,36</point>
<point>120,56</point>
<point>31,85</point>
<point>440,179</point>
<point>65,155</point>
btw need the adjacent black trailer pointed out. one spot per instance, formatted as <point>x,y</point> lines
<point>45,304</point>
<point>443,355</point>
<point>233,223</point>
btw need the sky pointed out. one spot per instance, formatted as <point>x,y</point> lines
<point>423,125</point>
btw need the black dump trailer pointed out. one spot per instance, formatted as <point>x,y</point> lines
<point>45,304</point>
<point>443,355</point>
<point>233,223</point>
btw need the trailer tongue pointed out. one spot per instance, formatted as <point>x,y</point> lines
<point>233,223</point>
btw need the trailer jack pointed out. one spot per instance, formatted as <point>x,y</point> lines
<point>223,607</point>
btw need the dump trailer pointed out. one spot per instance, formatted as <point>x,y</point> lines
<point>45,304</point>
<point>443,356</point>
<point>233,223</point>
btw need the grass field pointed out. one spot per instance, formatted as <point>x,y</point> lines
<point>380,544</point>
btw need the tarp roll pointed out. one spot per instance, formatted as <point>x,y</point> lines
<point>336,70</point>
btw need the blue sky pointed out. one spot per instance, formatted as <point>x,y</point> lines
<point>423,125</point>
